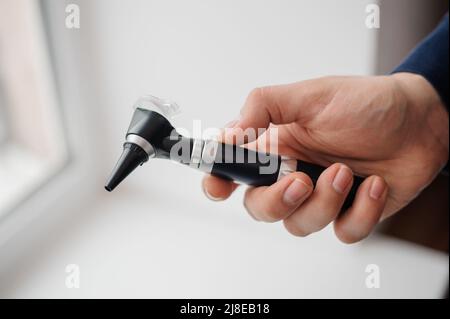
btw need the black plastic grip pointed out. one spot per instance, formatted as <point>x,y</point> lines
<point>261,169</point>
<point>246,166</point>
<point>314,171</point>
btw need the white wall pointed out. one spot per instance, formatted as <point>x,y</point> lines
<point>207,56</point>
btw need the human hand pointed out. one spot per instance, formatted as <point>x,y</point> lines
<point>393,129</point>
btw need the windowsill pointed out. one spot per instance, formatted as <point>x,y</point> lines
<point>130,246</point>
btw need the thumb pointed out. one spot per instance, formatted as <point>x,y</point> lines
<point>279,104</point>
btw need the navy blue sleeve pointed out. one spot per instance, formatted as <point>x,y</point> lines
<point>430,59</point>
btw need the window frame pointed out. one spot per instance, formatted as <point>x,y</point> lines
<point>36,147</point>
<point>73,182</point>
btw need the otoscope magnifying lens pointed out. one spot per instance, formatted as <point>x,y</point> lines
<point>166,108</point>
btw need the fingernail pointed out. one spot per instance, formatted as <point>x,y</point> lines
<point>342,179</point>
<point>296,192</point>
<point>377,188</point>
<point>215,199</point>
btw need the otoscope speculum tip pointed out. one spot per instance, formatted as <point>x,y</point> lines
<point>132,156</point>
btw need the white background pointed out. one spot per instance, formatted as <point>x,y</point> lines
<point>157,235</point>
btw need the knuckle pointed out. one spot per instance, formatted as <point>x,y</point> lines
<point>272,214</point>
<point>257,95</point>
<point>324,215</point>
<point>269,213</point>
<point>263,210</point>
<point>348,237</point>
<point>266,215</point>
<point>294,228</point>
<point>249,212</point>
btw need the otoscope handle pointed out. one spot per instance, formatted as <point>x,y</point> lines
<point>314,171</point>
<point>259,169</point>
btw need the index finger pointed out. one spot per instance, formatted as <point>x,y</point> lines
<point>216,188</point>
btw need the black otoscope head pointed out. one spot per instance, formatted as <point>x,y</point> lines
<point>147,136</point>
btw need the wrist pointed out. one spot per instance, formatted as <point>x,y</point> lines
<point>417,90</point>
<point>426,112</point>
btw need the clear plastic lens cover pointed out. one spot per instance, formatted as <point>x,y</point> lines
<point>166,108</point>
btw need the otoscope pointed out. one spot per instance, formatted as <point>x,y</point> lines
<point>151,135</point>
